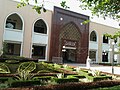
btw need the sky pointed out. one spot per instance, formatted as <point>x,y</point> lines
<point>74,6</point>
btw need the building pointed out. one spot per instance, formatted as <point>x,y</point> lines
<point>20,29</point>
<point>53,34</point>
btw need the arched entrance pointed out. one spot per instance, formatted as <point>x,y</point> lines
<point>69,39</point>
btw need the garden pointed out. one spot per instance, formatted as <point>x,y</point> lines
<point>28,74</point>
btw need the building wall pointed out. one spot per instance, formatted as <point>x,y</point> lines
<point>99,46</point>
<point>28,16</point>
<point>65,21</point>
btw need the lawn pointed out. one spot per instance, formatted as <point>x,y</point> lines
<point>109,88</point>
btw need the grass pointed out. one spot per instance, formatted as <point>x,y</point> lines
<point>109,88</point>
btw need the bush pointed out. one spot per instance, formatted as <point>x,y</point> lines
<point>78,86</point>
<point>4,85</point>
<point>99,78</point>
<point>25,83</point>
<point>43,78</point>
<point>65,80</point>
<point>4,68</point>
<point>12,61</point>
<point>77,76</point>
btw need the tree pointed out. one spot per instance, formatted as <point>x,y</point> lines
<point>104,8</point>
<point>109,8</point>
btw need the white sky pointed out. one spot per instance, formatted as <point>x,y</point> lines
<point>74,6</point>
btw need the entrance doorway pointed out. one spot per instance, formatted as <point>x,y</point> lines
<point>69,55</point>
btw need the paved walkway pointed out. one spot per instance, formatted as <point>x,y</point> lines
<point>99,67</point>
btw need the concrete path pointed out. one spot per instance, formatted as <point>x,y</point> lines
<point>102,68</point>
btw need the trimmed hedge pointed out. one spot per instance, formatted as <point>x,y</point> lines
<point>24,83</point>
<point>79,86</point>
<point>72,86</point>
<point>99,78</point>
<point>77,76</point>
<point>43,78</point>
<point>65,80</point>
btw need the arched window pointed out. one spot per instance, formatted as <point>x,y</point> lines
<point>93,36</point>
<point>14,22</point>
<point>40,27</point>
<point>105,39</point>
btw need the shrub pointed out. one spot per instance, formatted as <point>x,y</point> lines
<point>65,80</point>
<point>77,76</point>
<point>4,68</point>
<point>24,70</point>
<point>4,85</point>
<point>12,61</point>
<point>42,78</point>
<point>24,83</point>
<point>44,71</point>
<point>78,86</point>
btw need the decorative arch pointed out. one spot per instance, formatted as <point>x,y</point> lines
<point>14,21</point>
<point>70,37</point>
<point>40,26</point>
<point>70,31</point>
<point>93,36</point>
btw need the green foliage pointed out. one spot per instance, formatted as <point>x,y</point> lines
<point>109,88</point>
<point>4,68</point>
<point>66,80</point>
<point>4,48</point>
<point>75,76</point>
<point>44,71</point>
<point>27,66</point>
<point>12,61</point>
<point>24,70</point>
<point>95,72</point>
<point>63,4</point>
<point>25,83</point>
<point>4,85</point>
<point>36,7</point>
<point>102,7</point>
<point>60,75</point>
<point>113,36</point>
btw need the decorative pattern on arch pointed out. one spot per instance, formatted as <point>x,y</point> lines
<point>69,32</point>
<point>93,36</point>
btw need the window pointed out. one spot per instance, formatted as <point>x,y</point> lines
<point>105,39</point>
<point>104,56</point>
<point>93,36</point>
<point>40,27</point>
<point>13,49</point>
<point>14,22</point>
<point>92,55</point>
<point>38,52</point>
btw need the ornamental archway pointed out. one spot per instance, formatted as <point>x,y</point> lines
<point>69,42</point>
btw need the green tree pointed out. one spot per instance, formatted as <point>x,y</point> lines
<point>105,8</point>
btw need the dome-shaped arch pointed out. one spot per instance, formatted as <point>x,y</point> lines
<point>40,26</point>
<point>14,21</point>
<point>93,36</point>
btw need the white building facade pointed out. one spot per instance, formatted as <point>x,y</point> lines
<point>28,33</point>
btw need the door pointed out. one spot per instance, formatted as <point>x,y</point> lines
<point>69,55</point>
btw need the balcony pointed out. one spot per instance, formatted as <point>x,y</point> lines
<point>13,35</point>
<point>40,38</point>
